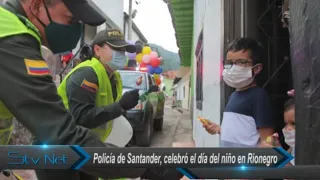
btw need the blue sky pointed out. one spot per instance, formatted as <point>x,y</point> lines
<point>154,21</point>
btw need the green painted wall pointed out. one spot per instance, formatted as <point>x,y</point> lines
<point>192,66</point>
<point>168,83</point>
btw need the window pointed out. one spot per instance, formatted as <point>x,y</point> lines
<point>151,81</point>
<point>129,80</point>
<point>184,91</point>
<point>199,78</point>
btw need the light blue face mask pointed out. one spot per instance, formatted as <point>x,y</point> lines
<point>118,60</point>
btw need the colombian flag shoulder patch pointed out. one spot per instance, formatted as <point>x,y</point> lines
<point>89,86</point>
<point>37,67</point>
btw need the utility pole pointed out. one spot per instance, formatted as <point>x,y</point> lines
<point>130,21</point>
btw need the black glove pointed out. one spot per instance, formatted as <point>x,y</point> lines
<point>162,174</point>
<point>129,99</point>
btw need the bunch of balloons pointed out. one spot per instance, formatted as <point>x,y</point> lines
<point>148,60</point>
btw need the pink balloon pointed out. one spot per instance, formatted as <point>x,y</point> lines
<point>154,54</point>
<point>146,59</point>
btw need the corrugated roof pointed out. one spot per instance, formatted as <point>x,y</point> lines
<point>182,18</point>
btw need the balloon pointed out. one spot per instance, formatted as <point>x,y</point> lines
<point>146,59</point>
<point>157,70</point>
<point>131,42</point>
<point>131,56</point>
<point>139,57</point>
<point>150,69</point>
<point>142,65</point>
<point>156,76</point>
<point>139,46</point>
<point>153,54</point>
<point>146,50</point>
<point>158,81</point>
<point>155,62</point>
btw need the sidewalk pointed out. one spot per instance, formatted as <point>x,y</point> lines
<point>183,135</point>
<point>182,110</point>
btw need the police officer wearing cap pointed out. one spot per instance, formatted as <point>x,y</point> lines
<point>93,90</point>
<point>26,87</point>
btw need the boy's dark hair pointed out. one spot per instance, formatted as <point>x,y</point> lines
<point>244,44</point>
<point>288,105</point>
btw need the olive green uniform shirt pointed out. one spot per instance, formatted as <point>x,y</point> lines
<point>82,101</point>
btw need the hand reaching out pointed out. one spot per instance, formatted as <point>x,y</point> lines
<point>271,141</point>
<point>291,93</point>
<point>211,127</point>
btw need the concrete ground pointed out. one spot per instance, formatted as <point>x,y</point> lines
<point>176,127</point>
<point>177,131</point>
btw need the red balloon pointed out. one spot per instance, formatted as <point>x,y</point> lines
<point>155,62</point>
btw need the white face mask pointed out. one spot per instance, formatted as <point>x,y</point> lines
<point>289,137</point>
<point>237,76</point>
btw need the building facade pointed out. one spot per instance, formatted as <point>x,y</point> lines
<point>208,22</point>
<point>213,25</point>
<point>114,15</point>
<point>181,90</point>
<point>136,33</point>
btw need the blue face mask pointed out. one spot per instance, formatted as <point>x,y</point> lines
<point>118,60</point>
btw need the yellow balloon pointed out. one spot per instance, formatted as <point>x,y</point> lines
<point>156,76</point>
<point>139,57</point>
<point>146,50</point>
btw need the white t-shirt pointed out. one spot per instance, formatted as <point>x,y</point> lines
<point>245,112</point>
<point>293,154</point>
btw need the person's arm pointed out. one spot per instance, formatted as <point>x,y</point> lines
<point>262,114</point>
<point>31,96</point>
<point>82,87</point>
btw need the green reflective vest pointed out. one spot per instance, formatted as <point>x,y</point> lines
<point>104,95</point>
<point>11,25</point>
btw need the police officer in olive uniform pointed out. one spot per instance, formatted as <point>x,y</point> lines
<point>93,90</point>
<point>26,87</point>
